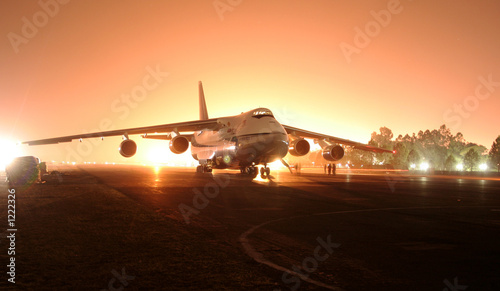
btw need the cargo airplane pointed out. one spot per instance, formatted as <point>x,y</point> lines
<point>237,142</point>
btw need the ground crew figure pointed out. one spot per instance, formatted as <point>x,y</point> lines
<point>329,169</point>
<point>334,168</point>
<point>324,168</point>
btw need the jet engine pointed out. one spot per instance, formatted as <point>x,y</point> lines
<point>299,147</point>
<point>179,144</point>
<point>333,152</point>
<point>128,148</point>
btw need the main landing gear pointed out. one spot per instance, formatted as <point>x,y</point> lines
<point>253,171</point>
<point>203,169</point>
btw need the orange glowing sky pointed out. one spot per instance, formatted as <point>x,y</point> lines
<point>70,74</point>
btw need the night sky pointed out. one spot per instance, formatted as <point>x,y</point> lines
<point>335,67</point>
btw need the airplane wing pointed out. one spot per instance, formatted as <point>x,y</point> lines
<point>172,127</point>
<point>357,145</point>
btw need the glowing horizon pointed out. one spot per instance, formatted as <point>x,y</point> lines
<point>344,69</point>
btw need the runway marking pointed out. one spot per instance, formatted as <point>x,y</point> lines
<point>259,257</point>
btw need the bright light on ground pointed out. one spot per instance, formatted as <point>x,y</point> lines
<point>424,166</point>
<point>8,151</point>
<point>276,165</point>
<point>413,166</point>
<point>158,155</point>
<point>483,167</point>
<point>460,167</point>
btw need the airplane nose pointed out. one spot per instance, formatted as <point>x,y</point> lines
<point>265,148</point>
<point>274,146</point>
<point>278,146</point>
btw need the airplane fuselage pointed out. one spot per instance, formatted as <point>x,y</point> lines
<point>251,138</point>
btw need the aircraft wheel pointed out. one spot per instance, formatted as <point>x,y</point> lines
<point>268,171</point>
<point>255,172</point>
<point>262,171</point>
<point>199,169</point>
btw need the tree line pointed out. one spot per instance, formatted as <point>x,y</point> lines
<point>437,149</point>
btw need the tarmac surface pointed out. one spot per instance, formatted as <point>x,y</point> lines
<point>182,230</point>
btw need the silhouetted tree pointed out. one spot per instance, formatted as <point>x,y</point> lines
<point>358,158</point>
<point>494,154</point>
<point>413,157</point>
<point>449,164</point>
<point>456,145</point>
<point>400,158</point>
<point>471,159</point>
<point>382,140</point>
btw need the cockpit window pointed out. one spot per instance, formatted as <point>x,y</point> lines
<point>261,112</point>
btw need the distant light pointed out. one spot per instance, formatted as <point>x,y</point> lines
<point>424,166</point>
<point>483,167</point>
<point>73,163</point>
<point>460,167</point>
<point>9,150</point>
<point>413,166</point>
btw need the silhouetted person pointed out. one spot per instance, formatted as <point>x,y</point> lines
<point>324,168</point>
<point>334,168</point>
<point>329,169</point>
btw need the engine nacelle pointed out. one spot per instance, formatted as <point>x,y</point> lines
<point>299,147</point>
<point>128,148</point>
<point>333,152</point>
<point>179,144</point>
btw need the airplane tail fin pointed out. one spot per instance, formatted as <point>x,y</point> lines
<point>203,105</point>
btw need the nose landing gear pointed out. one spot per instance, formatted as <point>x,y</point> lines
<point>265,172</point>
